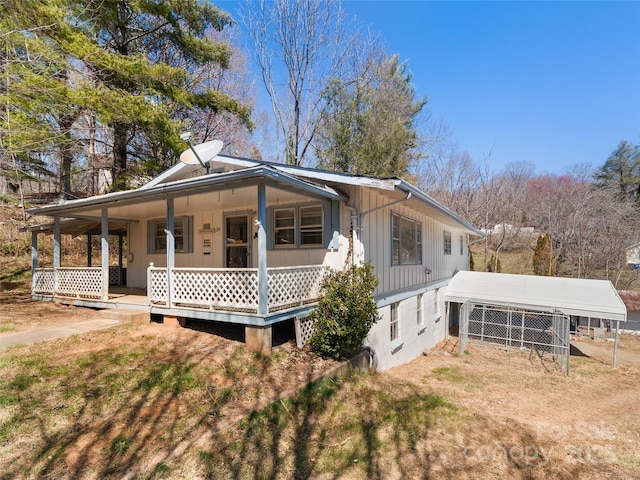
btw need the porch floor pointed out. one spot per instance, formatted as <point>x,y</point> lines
<point>131,299</point>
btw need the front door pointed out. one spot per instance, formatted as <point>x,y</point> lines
<point>237,244</point>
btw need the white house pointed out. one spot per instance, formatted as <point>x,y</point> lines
<point>250,242</point>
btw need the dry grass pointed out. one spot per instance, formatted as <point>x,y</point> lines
<point>151,402</point>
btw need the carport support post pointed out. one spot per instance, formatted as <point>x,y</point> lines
<point>615,345</point>
<point>104,250</point>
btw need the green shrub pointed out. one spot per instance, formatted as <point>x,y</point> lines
<point>346,311</point>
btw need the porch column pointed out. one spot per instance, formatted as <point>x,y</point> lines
<point>34,257</point>
<point>263,307</point>
<point>56,242</point>
<point>104,250</point>
<point>56,252</point>
<point>170,247</point>
<point>120,260</point>
<point>89,252</point>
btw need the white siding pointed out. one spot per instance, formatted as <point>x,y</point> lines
<point>376,240</point>
<point>215,217</point>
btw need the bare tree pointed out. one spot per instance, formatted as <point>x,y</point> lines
<point>448,173</point>
<point>299,46</point>
<point>235,80</point>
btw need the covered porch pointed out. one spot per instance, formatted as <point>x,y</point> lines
<point>199,290</point>
<point>200,247</point>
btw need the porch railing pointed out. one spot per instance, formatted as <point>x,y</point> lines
<point>293,286</point>
<point>234,289</point>
<point>80,282</point>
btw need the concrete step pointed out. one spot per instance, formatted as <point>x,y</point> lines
<point>126,315</point>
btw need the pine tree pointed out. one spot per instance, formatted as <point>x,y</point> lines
<point>124,63</point>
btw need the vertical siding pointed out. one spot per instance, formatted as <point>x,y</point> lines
<point>376,241</point>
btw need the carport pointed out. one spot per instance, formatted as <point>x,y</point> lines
<point>527,311</point>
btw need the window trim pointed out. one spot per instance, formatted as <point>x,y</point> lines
<point>420,313</point>
<point>397,218</point>
<point>395,343</point>
<point>446,237</point>
<point>461,244</point>
<point>394,322</point>
<point>187,227</point>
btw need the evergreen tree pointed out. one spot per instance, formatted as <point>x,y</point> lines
<point>113,61</point>
<point>369,128</point>
<point>544,262</point>
<point>621,171</point>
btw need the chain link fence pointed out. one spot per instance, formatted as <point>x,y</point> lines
<point>516,328</point>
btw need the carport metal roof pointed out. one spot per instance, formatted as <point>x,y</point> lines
<point>572,296</point>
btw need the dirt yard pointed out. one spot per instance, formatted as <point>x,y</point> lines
<point>157,402</point>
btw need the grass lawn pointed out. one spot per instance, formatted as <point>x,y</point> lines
<point>151,402</point>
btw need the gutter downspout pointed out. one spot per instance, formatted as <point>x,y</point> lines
<point>386,205</point>
<point>356,218</point>
<point>355,225</point>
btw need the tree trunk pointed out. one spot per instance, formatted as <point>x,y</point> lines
<point>66,155</point>
<point>120,131</point>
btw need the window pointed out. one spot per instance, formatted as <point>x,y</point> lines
<point>419,310</point>
<point>393,326</point>
<point>447,243</point>
<point>461,245</point>
<point>284,226</point>
<point>298,226</point>
<point>406,241</point>
<point>182,235</point>
<point>311,225</point>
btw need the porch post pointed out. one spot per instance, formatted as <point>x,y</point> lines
<point>104,250</point>
<point>34,257</point>
<point>120,260</point>
<point>89,252</point>
<point>56,252</point>
<point>170,248</point>
<point>263,307</point>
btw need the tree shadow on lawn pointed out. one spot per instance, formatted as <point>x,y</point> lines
<point>185,405</point>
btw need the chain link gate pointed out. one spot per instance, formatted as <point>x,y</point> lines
<point>516,328</point>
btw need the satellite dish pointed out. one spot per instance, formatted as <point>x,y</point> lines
<point>202,153</point>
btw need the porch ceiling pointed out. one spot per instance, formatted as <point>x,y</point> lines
<point>76,227</point>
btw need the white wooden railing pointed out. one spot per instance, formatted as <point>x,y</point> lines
<point>234,290</point>
<point>80,282</point>
<point>293,286</point>
<point>43,281</point>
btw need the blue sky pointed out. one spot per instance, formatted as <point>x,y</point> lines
<point>551,83</point>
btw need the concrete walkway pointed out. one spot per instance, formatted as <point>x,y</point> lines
<point>60,331</point>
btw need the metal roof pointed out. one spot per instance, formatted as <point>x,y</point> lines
<point>182,179</point>
<point>572,296</point>
<point>204,183</point>
<point>420,199</point>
